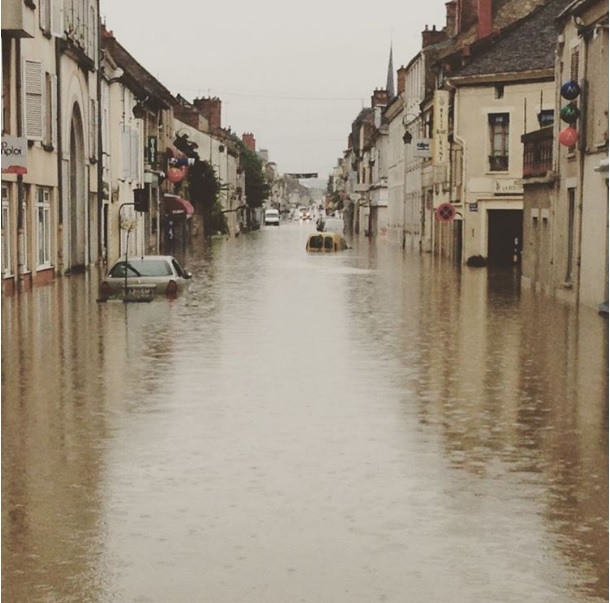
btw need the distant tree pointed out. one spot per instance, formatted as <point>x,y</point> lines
<point>257,187</point>
<point>204,189</point>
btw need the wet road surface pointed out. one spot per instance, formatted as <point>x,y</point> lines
<point>350,428</point>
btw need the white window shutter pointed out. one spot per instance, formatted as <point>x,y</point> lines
<point>53,105</point>
<point>135,147</point>
<point>57,18</point>
<point>33,100</point>
<point>93,125</point>
<point>43,13</point>
<point>125,153</point>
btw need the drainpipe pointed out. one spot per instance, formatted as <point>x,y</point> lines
<point>60,183</point>
<point>102,251</point>
<point>20,189</point>
<point>582,147</point>
<point>462,144</point>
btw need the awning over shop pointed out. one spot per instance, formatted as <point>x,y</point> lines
<point>173,205</point>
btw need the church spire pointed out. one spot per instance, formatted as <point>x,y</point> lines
<point>390,82</point>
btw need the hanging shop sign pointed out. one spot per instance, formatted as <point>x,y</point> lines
<point>440,148</point>
<point>14,155</point>
<point>422,148</point>
<point>151,150</point>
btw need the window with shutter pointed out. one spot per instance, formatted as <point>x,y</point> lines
<point>6,231</point>
<point>33,101</point>
<point>498,134</point>
<point>125,153</point>
<point>43,227</point>
<point>93,129</point>
<point>574,65</point>
<point>44,13</point>
<point>92,32</point>
<point>53,113</point>
<point>135,154</point>
<point>50,124</point>
<point>57,18</point>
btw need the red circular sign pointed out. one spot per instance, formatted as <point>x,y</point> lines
<point>445,212</point>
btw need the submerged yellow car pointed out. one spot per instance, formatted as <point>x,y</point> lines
<point>326,242</point>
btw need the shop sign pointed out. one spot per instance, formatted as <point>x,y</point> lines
<point>14,155</point>
<point>422,148</point>
<point>151,150</point>
<point>440,152</point>
<point>507,187</point>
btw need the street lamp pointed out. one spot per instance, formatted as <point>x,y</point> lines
<point>407,137</point>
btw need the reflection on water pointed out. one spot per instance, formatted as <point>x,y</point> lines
<point>367,426</point>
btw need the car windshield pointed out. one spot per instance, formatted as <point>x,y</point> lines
<point>141,267</point>
<point>328,242</point>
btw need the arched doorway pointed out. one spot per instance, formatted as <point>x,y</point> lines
<point>77,196</point>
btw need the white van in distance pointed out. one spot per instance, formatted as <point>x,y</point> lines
<point>272,216</point>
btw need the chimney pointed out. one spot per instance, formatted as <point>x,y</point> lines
<point>401,76</point>
<point>466,14</point>
<point>451,25</point>
<point>432,36</point>
<point>249,140</point>
<point>211,109</point>
<point>484,18</point>
<point>379,98</point>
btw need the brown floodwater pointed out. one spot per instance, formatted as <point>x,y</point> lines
<point>368,426</point>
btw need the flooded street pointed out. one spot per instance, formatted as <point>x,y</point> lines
<point>367,426</point>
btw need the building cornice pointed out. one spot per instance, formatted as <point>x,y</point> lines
<point>536,75</point>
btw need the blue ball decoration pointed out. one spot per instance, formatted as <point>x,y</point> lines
<point>570,90</point>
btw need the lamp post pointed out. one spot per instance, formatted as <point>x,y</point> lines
<point>407,121</point>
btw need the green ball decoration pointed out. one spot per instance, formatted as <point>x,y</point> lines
<point>569,113</point>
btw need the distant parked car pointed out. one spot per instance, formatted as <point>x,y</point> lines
<point>304,214</point>
<point>272,216</point>
<point>143,278</point>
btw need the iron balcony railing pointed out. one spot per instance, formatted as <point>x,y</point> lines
<point>537,153</point>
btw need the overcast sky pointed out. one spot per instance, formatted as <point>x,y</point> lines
<point>294,74</point>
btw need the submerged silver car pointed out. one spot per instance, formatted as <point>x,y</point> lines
<point>143,278</point>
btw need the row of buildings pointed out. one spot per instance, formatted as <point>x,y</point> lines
<point>493,149</point>
<point>96,151</point>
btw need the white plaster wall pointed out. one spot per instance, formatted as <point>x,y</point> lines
<point>522,101</point>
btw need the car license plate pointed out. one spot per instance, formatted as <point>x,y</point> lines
<point>140,293</point>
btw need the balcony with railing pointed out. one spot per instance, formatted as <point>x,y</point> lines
<point>538,153</point>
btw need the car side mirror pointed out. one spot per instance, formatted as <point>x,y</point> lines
<point>188,274</point>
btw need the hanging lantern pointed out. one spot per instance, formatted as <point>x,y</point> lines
<point>175,174</point>
<point>568,136</point>
<point>570,90</point>
<point>570,113</point>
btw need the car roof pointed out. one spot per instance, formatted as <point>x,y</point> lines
<point>140,258</point>
<point>146,257</point>
<point>326,234</point>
